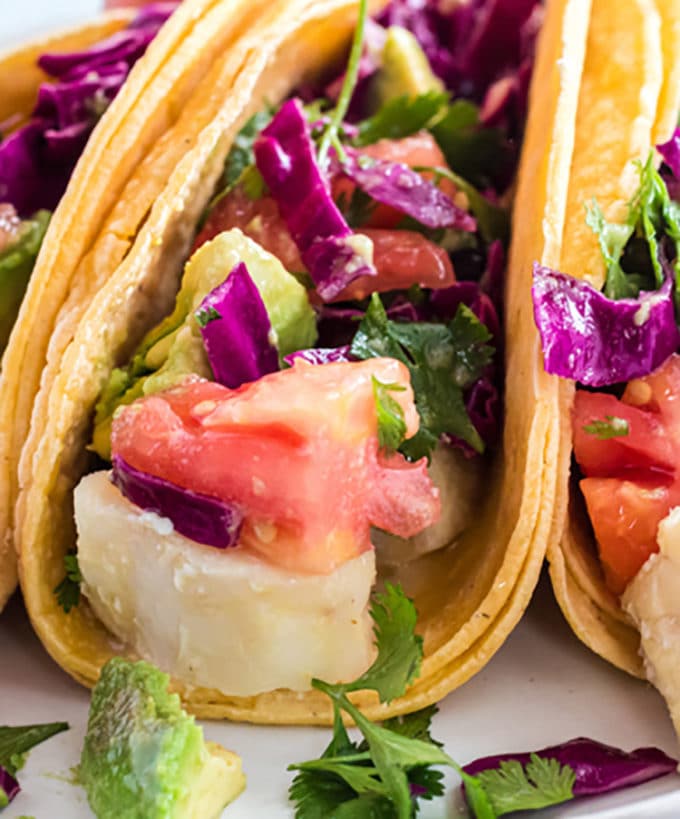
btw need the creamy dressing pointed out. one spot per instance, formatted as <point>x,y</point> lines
<point>223,619</point>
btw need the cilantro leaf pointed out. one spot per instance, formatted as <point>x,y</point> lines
<point>610,427</point>
<point>631,250</point>
<point>391,423</point>
<point>538,784</point>
<point>241,155</point>
<point>400,649</point>
<point>204,315</point>
<point>481,155</point>
<point>415,725</point>
<point>317,794</point>
<point>16,741</point>
<point>442,360</point>
<point>402,117</point>
<point>68,591</point>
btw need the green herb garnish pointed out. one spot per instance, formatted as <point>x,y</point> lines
<point>204,315</point>
<point>17,741</point>
<point>610,427</point>
<point>385,774</point>
<point>401,117</point>
<point>443,359</point>
<point>68,591</point>
<point>330,135</point>
<point>391,423</point>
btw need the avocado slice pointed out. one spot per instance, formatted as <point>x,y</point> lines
<point>405,70</point>
<point>173,349</point>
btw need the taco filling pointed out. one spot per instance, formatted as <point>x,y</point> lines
<point>323,397</point>
<point>37,157</point>
<point>622,345</point>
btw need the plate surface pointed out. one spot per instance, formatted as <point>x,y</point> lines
<point>542,688</point>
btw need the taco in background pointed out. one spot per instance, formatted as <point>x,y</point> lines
<point>611,326</point>
<point>152,122</point>
<point>264,429</point>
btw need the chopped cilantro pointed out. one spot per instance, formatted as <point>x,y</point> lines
<point>443,360</point>
<point>16,741</point>
<point>631,250</point>
<point>204,315</point>
<point>538,784</point>
<point>402,117</point>
<point>610,427</point>
<point>384,775</point>
<point>391,424</point>
<point>241,155</point>
<point>68,591</point>
<point>481,155</point>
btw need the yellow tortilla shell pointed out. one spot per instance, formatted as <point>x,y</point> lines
<point>470,595</point>
<point>152,123</point>
<point>630,96</point>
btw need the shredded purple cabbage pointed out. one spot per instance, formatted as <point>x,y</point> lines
<point>37,160</point>
<point>284,154</point>
<point>320,355</point>
<point>595,340</point>
<point>8,784</point>
<point>199,517</point>
<point>599,768</point>
<point>236,331</point>
<point>670,152</point>
<point>471,46</point>
<point>402,188</point>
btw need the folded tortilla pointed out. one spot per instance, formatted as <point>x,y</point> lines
<point>629,102</point>
<point>154,120</point>
<point>469,596</point>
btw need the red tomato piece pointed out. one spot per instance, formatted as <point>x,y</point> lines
<point>259,219</point>
<point>633,480</point>
<point>297,450</point>
<point>626,518</point>
<point>401,258</point>
<point>646,447</point>
<point>417,151</point>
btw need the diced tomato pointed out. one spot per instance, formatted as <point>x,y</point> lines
<point>401,258</point>
<point>633,480</point>
<point>259,219</point>
<point>296,450</point>
<point>417,151</point>
<point>646,447</point>
<point>626,518</point>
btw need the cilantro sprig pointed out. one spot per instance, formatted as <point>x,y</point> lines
<point>68,591</point>
<point>17,741</point>
<point>393,766</point>
<point>443,361</point>
<point>631,250</point>
<point>609,427</point>
<point>391,423</point>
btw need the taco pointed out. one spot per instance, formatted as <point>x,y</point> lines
<point>154,119</point>
<point>321,340</point>
<point>52,92</point>
<point>608,323</point>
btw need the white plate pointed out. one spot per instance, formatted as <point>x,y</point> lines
<point>542,688</point>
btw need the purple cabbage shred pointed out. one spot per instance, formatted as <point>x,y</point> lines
<point>597,341</point>
<point>199,517</point>
<point>37,160</point>
<point>599,768</point>
<point>320,355</point>
<point>670,153</point>
<point>236,331</point>
<point>8,784</point>
<point>402,188</point>
<point>285,156</point>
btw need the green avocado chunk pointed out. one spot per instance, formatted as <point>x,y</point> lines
<point>16,266</point>
<point>174,350</point>
<point>405,70</point>
<point>144,757</point>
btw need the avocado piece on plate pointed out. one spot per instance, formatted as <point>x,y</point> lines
<point>144,757</point>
